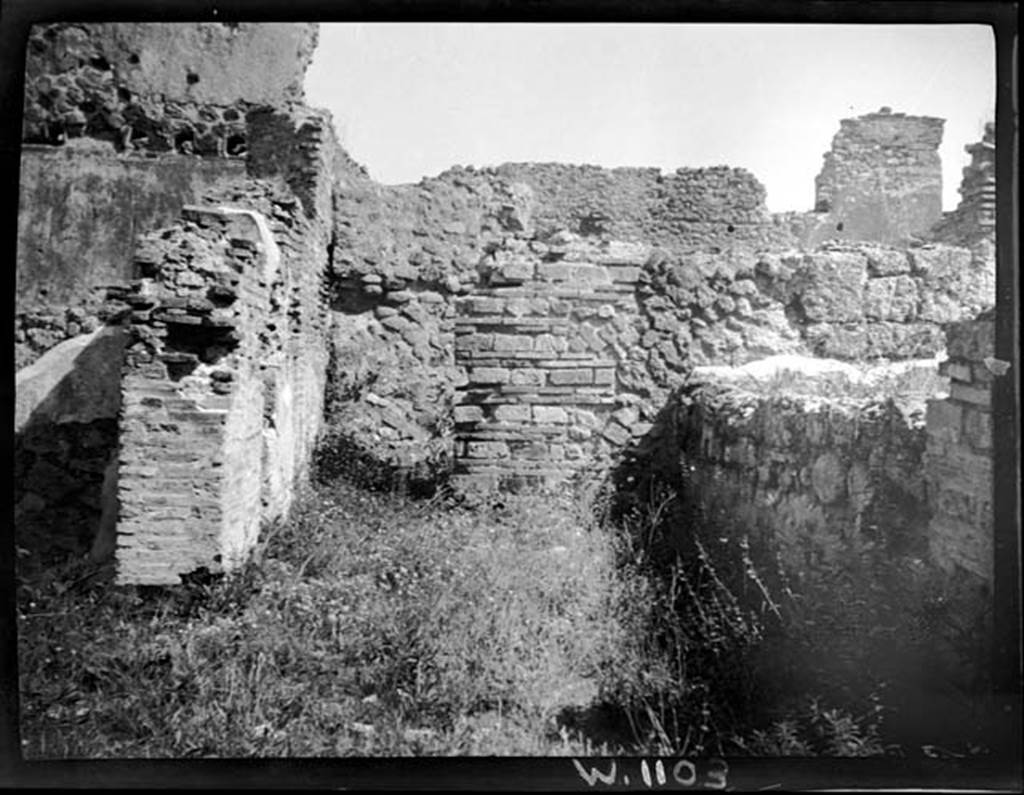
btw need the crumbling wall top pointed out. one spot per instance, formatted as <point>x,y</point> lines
<point>159,86</point>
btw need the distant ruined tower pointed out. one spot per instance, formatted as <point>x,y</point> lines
<point>973,222</point>
<point>881,181</point>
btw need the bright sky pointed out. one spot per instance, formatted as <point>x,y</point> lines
<point>412,99</point>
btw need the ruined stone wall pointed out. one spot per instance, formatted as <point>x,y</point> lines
<point>881,181</point>
<point>830,479</point>
<point>160,87</point>
<point>230,332</point>
<point>973,222</point>
<point>400,258</point>
<point>690,209</point>
<point>141,120</point>
<point>138,120</point>
<point>959,453</point>
<point>80,210</point>
<point>296,349</point>
<point>65,424</point>
<point>847,301</point>
<point>850,301</point>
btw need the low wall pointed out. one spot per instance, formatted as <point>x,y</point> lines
<point>829,479</point>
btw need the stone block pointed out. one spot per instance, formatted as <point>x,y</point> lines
<point>550,415</point>
<point>486,305</point>
<point>940,307</point>
<point>475,342</point>
<point>468,414</point>
<point>891,298</point>
<point>527,377</point>
<point>624,274</point>
<point>957,371</point>
<point>642,428</point>
<point>627,415</point>
<point>399,296</point>
<point>488,375</point>
<point>937,262</point>
<point>887,262</point>
<point>616,434</point>
<point>487,450</point>
<point>831,287</point>
<point>395,323</point>
<point>554,271</point>
<point>513,273</point>
<point>571,376</point>
<point>977,396</point>
<point>604,376</point>
<point>512,342</point>
<point>517,307</point>
<point>577,274</point>
<point>512,413</point>
<point>431,297</point>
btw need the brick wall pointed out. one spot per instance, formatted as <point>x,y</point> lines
<point>295,341</point>
<point>973,222</point>
<point>959,452</point>
<point>192,407</point>
<point>538,340</point>
<point>230,331</point>
<point>160,87</point>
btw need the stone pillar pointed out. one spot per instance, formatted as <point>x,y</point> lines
<point>959,451</point>
<point>191,440</point>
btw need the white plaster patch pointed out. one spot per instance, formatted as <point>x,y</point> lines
<point>271,253</point>
<point>75,381</point>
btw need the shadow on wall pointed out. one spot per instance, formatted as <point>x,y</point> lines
<point>836,544</point>
<point>65,470</point>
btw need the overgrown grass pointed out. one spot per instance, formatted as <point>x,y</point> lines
<point>369,624</point>
<point>374,624</point>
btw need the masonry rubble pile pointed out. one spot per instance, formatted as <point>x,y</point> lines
<point>508,325</point>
